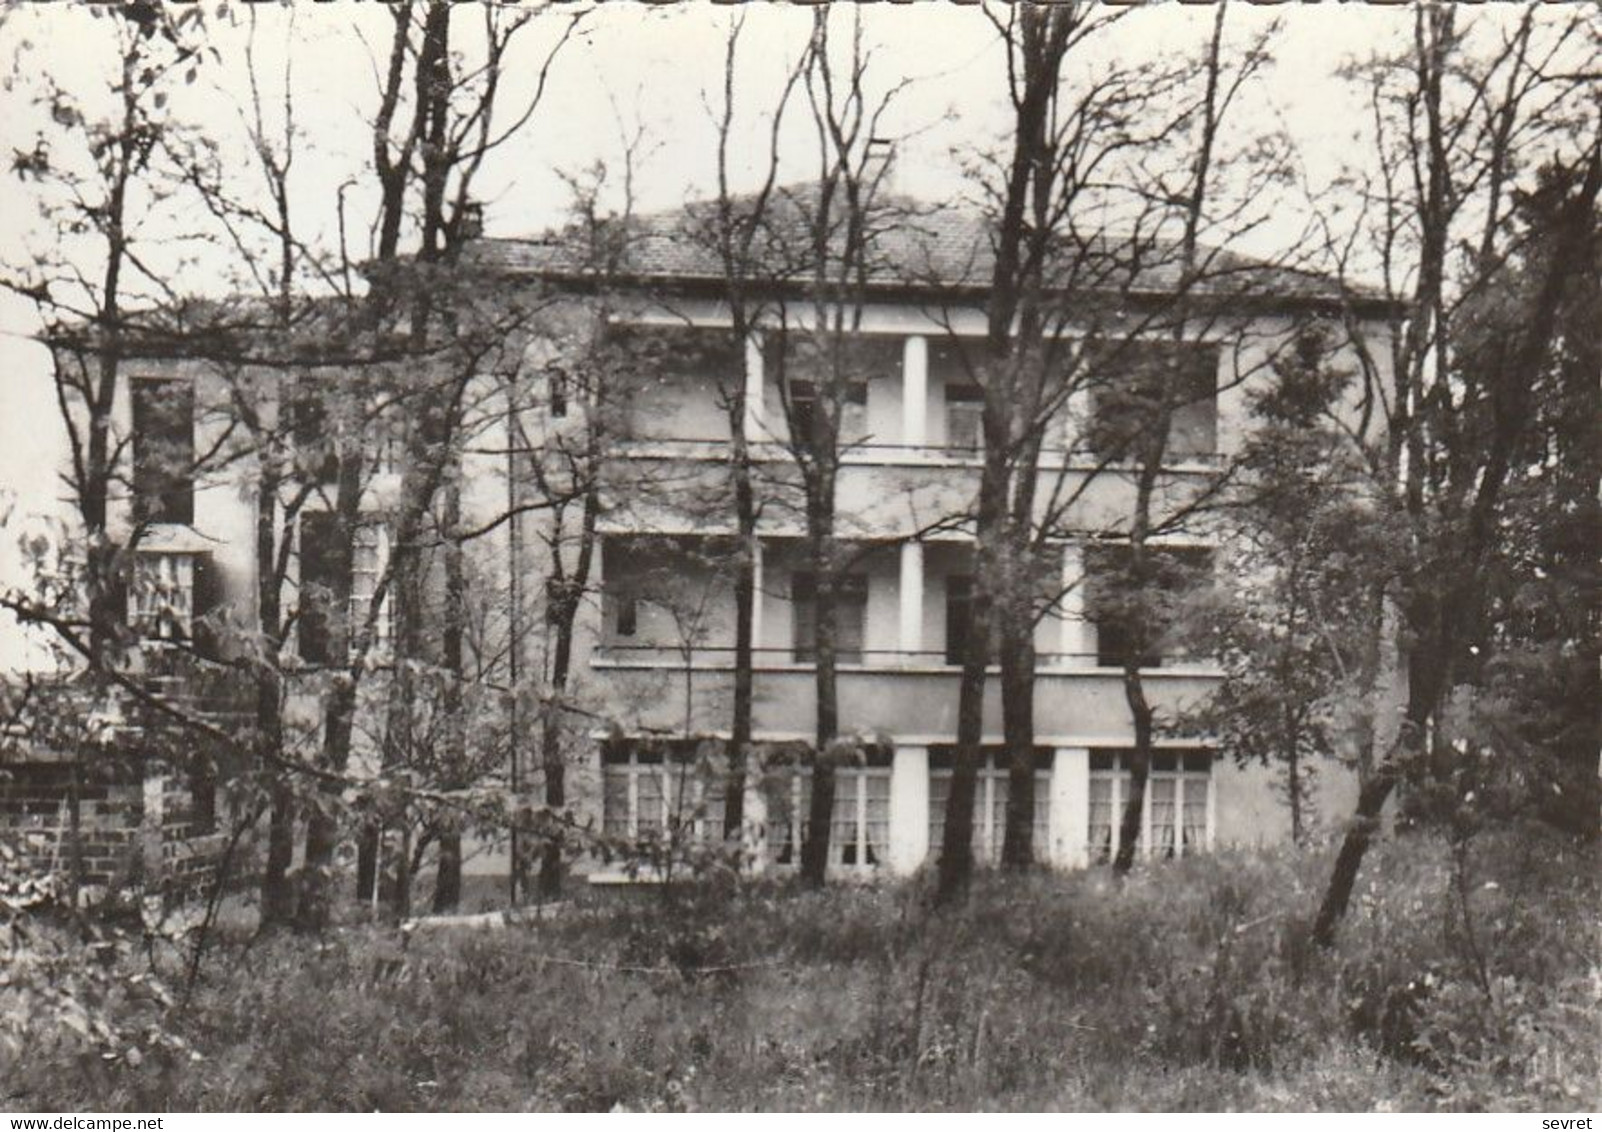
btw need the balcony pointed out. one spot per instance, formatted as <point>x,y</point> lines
<point>668,484</point>
<point>904,693</point>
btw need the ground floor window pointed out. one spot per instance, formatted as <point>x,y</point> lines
<point>989,802</point>
<point>1175,819</point>
<point>660,793</point>
<point>859,834</point>
<point>164,595</point>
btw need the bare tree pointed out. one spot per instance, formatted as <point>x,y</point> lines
<point>1453,128</point>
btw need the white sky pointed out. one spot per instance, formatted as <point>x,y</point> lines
<point>631,65</point>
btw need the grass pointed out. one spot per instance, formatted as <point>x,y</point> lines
<point>1190,986</point>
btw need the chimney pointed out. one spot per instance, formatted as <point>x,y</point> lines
<point>470,224</point>
<point>879,167</point>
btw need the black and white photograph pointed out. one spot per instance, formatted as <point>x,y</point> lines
<point>775,557</point>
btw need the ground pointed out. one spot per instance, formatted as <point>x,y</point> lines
<point>1459,982</point>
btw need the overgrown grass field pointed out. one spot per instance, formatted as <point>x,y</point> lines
<point>1459,982</point>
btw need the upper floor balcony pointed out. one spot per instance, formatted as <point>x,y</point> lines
<point>665,642</point>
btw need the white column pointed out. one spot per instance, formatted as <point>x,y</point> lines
<point>753,832</point>
<point>754,388</point>
<point>757,602</point>
<point>1077,633</point>
<point>909,810</point>
<point>915,391</point>
<point>1076,418</point>
<point>910,639</point>
<point>1070,807</point>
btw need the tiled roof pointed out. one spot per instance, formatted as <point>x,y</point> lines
<point>912,246</point>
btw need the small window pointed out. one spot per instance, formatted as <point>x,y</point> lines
<point>558,392</point>
<point>164,595</point>
<point>965,413</point>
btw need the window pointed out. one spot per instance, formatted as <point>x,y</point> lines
<point>965,412</point>
<point>805,414</point>
<point>859,831</point>
<point>163,450</point>
<point>557,378</point>
<point>164,595</point>
<point>851,615</point>
<point>1174,818</point>
<point>628,614</point>
<point>325,570</point>
<point>656,792</point>
<point>1129,398</point>
<point>369,557</point>
<point>989,802</point>
<point>316,459</point>
<point>1146,619</point>
<point>959,612</point>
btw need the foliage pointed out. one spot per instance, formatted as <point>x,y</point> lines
<point>1191,986</point>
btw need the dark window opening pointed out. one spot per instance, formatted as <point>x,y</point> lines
<point>1142,619</point>
<point>558,392</point>
<point>965,409</point>
<point>628,612</point>
<point>163,450</point>
<point>1129,399</point>
<point>325,573</point>
<point>316,458</point>
<point>959,620</point>
<point>806,416</point>
<point>851,615</point>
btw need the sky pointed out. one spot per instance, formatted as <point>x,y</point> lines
<point>629,68</point>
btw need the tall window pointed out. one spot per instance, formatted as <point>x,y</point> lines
<point>965,410</point>
<point>859,833</point>
<point>164,595</point>
<point>369,557</point>
<point>656,793</point>
<point>959,619</point>
<point>163,450</point>
<point>989,802</point>
<point>1127,401</point>
<point>325,569</point>
<point>851,615</point>
<point>556,376</point>
<point>1174,818</point>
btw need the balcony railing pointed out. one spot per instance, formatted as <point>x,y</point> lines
<point>717,658</point>
<point>877,452</point>
<point>896,692</point>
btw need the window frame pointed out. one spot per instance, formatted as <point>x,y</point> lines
<point>1181,769</point>
<point>161,494</point>
<point>991,786</point>
<point>851,591</point>
<point>149,617</point>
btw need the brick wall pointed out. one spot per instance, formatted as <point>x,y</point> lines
<point>133,822</point>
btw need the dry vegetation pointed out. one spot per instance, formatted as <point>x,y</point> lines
<point>1190,987</point>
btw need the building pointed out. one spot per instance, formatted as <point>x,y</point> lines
<point>652,657</point>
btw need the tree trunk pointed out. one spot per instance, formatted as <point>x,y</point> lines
<point>1018,723</point>
<point>820,813</point>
